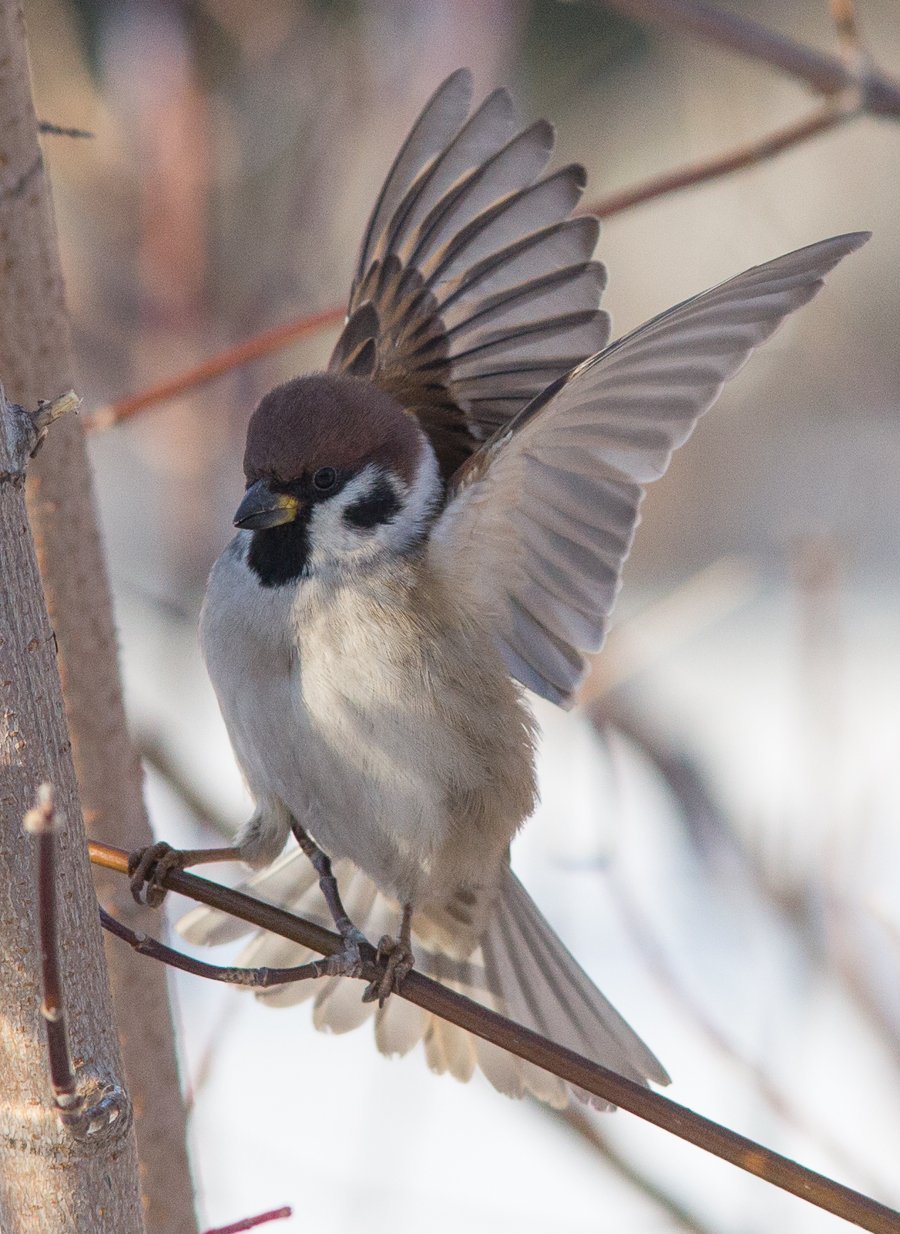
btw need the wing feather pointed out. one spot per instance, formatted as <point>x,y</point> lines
<point>552,500</point>
<point>473,289</point>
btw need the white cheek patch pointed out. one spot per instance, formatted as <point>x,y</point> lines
<point>333,537</point>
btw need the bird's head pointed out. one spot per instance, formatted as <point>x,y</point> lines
<point>337,473</point>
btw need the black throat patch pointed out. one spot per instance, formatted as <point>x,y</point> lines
<point>279,555</point>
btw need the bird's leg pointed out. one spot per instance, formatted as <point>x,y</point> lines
<point>148,866</point>
<point>349,961</point>
<point>397,956</point>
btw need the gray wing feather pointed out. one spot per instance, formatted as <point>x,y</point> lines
<point>552,501</point>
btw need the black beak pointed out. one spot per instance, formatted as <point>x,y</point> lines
<point>262,508</point>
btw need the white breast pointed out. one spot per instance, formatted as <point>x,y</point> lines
<point>341,704</point>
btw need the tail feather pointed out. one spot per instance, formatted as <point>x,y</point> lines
<point>521,969</point>
<point>571,1005</point>
<point>399,1026</point>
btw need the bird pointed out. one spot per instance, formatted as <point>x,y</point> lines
<point>433,527</point>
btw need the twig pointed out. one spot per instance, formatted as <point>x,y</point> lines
<point>824,118</point>
<point>254,978</point>
<point>827,117</point>
<point>88,1104</point>
<point>250,1223</point>
<point>41,822</point>
<point>653,1107</point>
<point>60,130</point>
<point>827,74</point>
<point>254,348</point>
<point>851,84</point>
<point>25,430</point>
<point>843,14</point>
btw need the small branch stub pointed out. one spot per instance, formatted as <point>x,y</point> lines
<point>24,431</point>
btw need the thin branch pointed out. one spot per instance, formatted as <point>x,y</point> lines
<point>88,1105</point>
<point>827,74</point>
<point>271,341</point>
<point>254,978</point>
<point>41,822</point>
<point>250,1223</point>
<point>843,14</point>
<point>251,349</point>
<point>829,116</point>
<point>61,130</point>
<point>652,1107</point>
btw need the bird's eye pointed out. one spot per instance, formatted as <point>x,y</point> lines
<point>324,479</point>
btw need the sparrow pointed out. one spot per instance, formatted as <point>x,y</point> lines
<point>431,527</point>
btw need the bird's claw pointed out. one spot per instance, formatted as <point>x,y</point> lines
<point>397,960</point>
<point>349,961</point>
<point>148,867</point>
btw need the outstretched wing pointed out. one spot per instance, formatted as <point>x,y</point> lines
<point>551,502</point>
<point>474,290</point>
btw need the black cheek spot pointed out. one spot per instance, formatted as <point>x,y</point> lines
<point>380,505</point>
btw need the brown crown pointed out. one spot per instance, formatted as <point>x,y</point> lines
<point>329,420</point>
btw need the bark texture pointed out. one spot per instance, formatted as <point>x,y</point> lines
<point>36,362</point>
<point>52,1179</point>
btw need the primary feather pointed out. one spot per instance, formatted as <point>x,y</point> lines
<point>552,500</point>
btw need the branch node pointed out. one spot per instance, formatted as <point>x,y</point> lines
<point>25,430</point>
<point>98,1110</point>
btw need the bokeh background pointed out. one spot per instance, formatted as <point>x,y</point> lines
<point>718,835</point>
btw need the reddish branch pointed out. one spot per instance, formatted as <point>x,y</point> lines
<point>250,1223</point>
<point>829,116</point>
<point>826,74</point>
<point>573,1068</point>
<point>41,822</point>
<point>270,341</point>
<point>232,357</point>
<point>850,84</point>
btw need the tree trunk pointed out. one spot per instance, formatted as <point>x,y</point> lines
<point>36,362</point>
<point>54,1178</point>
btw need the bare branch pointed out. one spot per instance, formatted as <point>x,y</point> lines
<point>41,822</point>
<point>879,93</point>
<point>250,1223</point>
<point>86,1106</point>
<point>573,1068</point>
<point>254,978</point>
<point>851,84</point>
<point>843,14</point>
<point>24,431</point>
<point>251,349</point>
<point>61,130</point>
<point>824,118</point>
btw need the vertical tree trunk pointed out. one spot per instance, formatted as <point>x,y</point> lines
<point>54,1179</point>
<point>36,362</point>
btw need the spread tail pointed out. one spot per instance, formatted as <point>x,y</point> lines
<point>521,969</point>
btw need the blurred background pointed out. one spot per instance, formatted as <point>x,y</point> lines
<point>718,837</point>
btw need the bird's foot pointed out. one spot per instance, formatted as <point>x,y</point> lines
<point>149,866</point>
<point>395,954</point>
<point>354,958</point>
